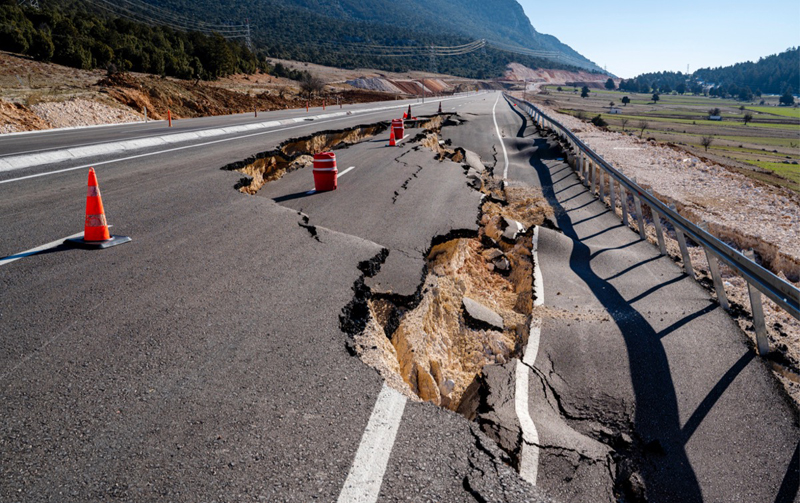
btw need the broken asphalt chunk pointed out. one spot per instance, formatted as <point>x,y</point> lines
<point>482,314</point>
<point>513,229</point>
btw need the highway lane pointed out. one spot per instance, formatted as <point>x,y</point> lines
<point>636,360</point>
<point>205,358</point>
<point>44,195</point>
<point>47,140</point>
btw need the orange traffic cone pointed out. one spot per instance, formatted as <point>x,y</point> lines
<point>95,230</point>
<point>392,142</point>
<point>404,115</point>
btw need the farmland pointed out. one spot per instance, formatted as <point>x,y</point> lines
<point>767,148</point>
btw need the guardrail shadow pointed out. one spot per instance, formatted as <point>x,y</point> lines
<point>791,481</point>
<point>657,422</point>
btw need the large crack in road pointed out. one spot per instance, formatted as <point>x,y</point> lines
<point>453,340</point>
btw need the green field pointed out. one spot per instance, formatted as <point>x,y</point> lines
<point>780,111</point>
<point>772,137</point>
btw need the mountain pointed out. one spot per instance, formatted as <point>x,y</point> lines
<point>314,30</point>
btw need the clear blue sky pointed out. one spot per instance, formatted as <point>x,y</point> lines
<point>634,37</point>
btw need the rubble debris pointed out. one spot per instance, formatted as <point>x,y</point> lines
<point>482,314</point>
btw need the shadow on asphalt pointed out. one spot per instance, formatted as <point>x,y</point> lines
<point>791,482</point>
<point>296,195</point>
<point>667,469</point>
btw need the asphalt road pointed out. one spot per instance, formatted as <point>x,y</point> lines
<point>205,360</point>
<point>641,383</point>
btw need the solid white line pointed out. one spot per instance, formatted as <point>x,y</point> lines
<point>15,162</point>
<point>366,475</point>
<point>497,128</point>
<point>529,452</point>
<point>149,154</point>
<point>38,249</point>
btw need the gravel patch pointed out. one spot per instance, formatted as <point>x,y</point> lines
<point>80,112</point>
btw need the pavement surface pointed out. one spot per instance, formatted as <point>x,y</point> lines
<point>207,359</point>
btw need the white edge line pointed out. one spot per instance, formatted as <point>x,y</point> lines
<point>23,161</point>
<point>363,483</point>
<point>38,249</point>
<point>500,137</point>
<point>529,452</point>
<point>73,128</point>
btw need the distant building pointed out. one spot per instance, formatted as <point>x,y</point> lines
<point>715,117</point>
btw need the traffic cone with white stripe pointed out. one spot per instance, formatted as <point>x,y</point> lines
<point>95,229</point>
<point>392,142</point>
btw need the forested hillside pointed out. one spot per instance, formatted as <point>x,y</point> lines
<point>770,75</point>
<point>76,38</point>
<point>143,37</point>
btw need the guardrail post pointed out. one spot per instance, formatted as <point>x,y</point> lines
<point>713,267</point>
<point>757,308</point>
<point>623,199</point>
<point>637,201</point>
<point>601,184</point>
<point>662,245</point>
<point>584,170</point>
<point>687,259</point>
<point>592,176</point>
<point>612,199</point>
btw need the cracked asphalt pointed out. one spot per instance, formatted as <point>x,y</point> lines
<point>643,388</point>
<point>205,360</point>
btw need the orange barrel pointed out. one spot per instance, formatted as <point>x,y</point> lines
<point>398,128</point>
<point>325,172</point>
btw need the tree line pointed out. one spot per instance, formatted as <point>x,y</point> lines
<point>70,36</point>
<point>776,74</point>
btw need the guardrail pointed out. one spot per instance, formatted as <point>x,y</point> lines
<point>592,169</point>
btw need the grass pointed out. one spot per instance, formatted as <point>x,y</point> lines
<point>788,171</point>
<point>780,111</point>
<point>765,142</point>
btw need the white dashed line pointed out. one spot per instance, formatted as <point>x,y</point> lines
<point>366,475</point>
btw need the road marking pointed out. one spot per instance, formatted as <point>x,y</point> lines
<point>529,452</point>
<point>150,154</point>
<point>313,191</point>
<point>16,162</point>
<point>497,128</point>
<point>364,481</point>
<point>38,249</point>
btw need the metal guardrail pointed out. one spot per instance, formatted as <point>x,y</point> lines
<point>592,168</point>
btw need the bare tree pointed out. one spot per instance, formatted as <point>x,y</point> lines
<point>642,125</point>
<point>747,118</point>
<point>624,122</point>
<point>311,85</point>
<point>706,141</point>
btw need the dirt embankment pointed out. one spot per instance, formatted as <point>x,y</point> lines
<point>36,95</point>
<point>518,72</point>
